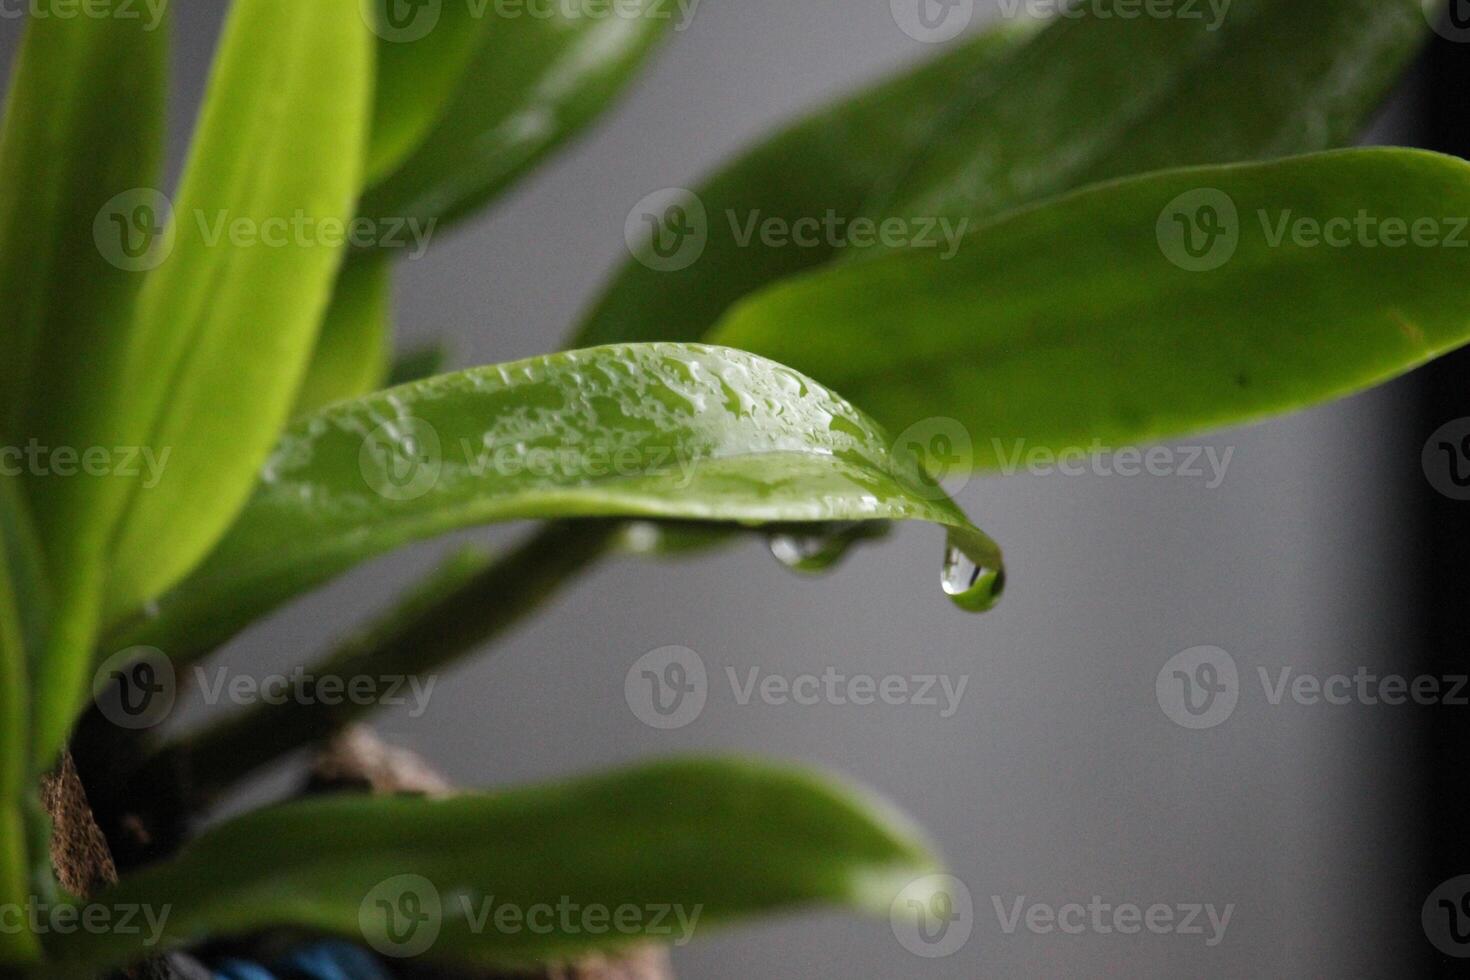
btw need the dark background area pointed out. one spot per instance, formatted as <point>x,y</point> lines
<point>1442,584</point>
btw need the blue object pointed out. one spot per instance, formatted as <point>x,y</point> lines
<point>241,970</point>
<point>331,961</point>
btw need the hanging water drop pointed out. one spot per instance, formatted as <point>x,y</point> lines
<point>972,576</point>
<point>817,547</point>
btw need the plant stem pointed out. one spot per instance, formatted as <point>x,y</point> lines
<point>433,628</point>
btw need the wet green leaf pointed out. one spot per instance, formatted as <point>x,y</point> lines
<point>654,431</point>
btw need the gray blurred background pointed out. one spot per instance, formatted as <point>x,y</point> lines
<point>1059,778</point>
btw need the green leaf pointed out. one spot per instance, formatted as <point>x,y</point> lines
<point>1011,118</point>
<point>534,81</point>
<point>21,599</point>
<point>1103,95</point>
<point>657,431</point>
<point>70,146</point>
<point>351,355</point>
<point>74,154</point>
<point>423,51</point>
<point>226,324</point>
<point>688,844</point>
<point>1089,317</point>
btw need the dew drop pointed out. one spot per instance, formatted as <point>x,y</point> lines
<point>974,585</point>
<point>815,548</point>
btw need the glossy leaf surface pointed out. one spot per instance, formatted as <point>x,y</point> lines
<point>658,431</point>
<point>1188,300</point>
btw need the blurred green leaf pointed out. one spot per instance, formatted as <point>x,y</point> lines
<point>657,431</point>
<point>351,354</point>
<point>75,156</point>
<point>226,323</point>
<point>1013,117</point>
<point>688,844</point>
<point>534,80</point>
<point>423,51</point>
<point>1147,308</point>
<point>21,598</point>
<point>1102,94</point>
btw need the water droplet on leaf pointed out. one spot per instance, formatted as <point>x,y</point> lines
<point>815,548</point>
<point>974,582</point>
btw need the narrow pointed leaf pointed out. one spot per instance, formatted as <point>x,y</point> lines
<point>533,82</point>
<point>74,156</point>
<point>351,355</point>
<point>21,600</point>
<point>658,431</point>
<point>226,324</point>
<point>709,842</point>
<point>1093,317</point>
<point>1012,118</point>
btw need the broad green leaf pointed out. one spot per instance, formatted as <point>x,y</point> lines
<point>20,599</point>
<point>423,51</point>
<point>226,324</point>
<point>1103,94</point>
<point>1147,308</point>
<point>1008,119</point>
<point>76,158</point>
<point>351,355</point>
<point>688,845</point>
<point>535,79</point>
<point>656,431</point>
